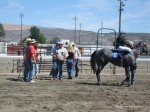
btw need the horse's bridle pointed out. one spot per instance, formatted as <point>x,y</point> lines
<point>143,48</point>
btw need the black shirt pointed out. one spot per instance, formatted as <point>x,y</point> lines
<point>70,55</point>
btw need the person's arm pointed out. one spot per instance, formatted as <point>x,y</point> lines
<point>65,54</point>
<point>33,54</point>
<point>79,54</point>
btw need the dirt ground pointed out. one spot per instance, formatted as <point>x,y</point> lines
<point>78,95</point>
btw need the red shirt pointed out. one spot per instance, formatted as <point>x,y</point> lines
<point>30,52</point>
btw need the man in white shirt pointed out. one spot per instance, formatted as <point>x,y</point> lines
<point>62,54</point>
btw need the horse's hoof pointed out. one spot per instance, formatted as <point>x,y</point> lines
<point>121,84</point>
<point>129,85</point>
<point>99,84</point>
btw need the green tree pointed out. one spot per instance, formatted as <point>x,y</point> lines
<point>37,35</point>
<point>41,39</point>
<point>2,32</point>
<point>53,41</point>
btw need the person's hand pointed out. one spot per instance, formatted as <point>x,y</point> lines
<point>79,59</point>
<point>33,61</point>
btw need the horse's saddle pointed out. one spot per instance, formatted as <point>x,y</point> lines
<point>119,54</point>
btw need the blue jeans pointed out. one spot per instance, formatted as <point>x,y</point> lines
<point>25,78</point>
<point>76,67</point>
<point>54,70</point>
<point>70,67</point>
<point>35,69</point>
<point>60,68</point>
<point>28,73</point>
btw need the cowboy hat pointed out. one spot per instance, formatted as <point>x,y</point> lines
<point>72,43</point>
<point>33,41</point>
<point>27,40</point>
<point>61,42</point>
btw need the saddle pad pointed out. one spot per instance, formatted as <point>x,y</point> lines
<point>115,55</point>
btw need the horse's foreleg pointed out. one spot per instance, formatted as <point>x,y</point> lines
<point>133,70</point>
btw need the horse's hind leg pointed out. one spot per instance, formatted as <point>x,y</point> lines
<point>98,75</point>
<point>127,79</point>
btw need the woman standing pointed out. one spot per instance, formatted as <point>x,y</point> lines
<point>70,61</point>
<point>35,65</point>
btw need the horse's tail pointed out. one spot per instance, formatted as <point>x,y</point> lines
<point>93,62</point>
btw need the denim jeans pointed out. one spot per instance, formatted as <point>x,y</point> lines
<point>24,72</point>
<point>54,70</point>
<point>70,67</point>
<point>29,70</point>
<point>35,69</point>
<point>60,68</point>
<point>76,67</point>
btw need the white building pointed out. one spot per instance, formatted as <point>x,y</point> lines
<point>65,41</point>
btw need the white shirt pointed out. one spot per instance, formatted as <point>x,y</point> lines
<point>123,48</point>
<point>62,53</point>
<point>77,53</point>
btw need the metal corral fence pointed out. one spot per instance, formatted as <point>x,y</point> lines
<point>14,64</point>
<point>11,59</point>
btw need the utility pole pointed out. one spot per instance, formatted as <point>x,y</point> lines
<point>120,10</point>
<point>101,31</point>
<point>21,16</point>
<point>75,19</point>
<point>79,33</point>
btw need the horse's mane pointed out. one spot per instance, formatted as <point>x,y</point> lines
<point>137,44</point>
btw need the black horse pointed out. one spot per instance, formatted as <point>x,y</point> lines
<point>100,58</point>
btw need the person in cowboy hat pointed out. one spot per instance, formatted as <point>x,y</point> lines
<point>29,61</point>
<point>35,65</point>
<point>70,61</point>
<point>62,54</point>
<point>25,47</point>
<point>77,54</point>
<point>54,69</point>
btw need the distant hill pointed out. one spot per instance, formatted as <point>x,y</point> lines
<point>13,34</point>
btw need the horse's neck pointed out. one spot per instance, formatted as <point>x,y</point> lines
<point>137,52</point>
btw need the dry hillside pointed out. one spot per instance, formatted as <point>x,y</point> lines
<point>13,33</point>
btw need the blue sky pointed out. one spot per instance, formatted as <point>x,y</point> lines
<point>90,13</point>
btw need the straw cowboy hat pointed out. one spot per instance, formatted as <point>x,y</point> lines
<point>33,41</point>
<point>61,43</point>
<point>129,43</point>
<point>72,43</point>
<point>70,48</point>
<point>28,40</point>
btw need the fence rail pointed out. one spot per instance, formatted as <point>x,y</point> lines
<point>14,64</point>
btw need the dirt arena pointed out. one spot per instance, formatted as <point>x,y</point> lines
<point>78,95</point>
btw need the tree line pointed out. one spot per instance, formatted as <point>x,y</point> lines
<point>34,34</point>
